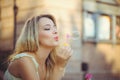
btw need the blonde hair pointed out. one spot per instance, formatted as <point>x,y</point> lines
<point>28,42</point>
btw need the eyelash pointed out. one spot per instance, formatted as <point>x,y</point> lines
<point>47,29</point>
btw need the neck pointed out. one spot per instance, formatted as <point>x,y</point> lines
<point>43,53</point>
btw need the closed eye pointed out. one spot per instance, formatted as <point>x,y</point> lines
<point>47,29</point>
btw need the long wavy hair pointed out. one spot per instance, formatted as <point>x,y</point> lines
<point>29,42</point>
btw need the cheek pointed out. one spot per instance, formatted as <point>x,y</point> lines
<point>43,36</point>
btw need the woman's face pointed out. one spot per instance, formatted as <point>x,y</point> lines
<point>48,35</point>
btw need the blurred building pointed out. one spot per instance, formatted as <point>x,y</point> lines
<point>92,25</point>
<point>100,36</point>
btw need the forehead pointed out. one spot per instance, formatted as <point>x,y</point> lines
<point>45,20</point>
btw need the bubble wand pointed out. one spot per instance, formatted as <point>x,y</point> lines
<point>67,39</point>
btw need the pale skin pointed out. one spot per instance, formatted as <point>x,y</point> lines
<point>24,67</point>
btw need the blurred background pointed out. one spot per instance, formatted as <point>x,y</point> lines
<point>92,25</point>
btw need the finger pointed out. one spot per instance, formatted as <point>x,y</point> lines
<point>67,53</point>
<point>70,53</point>
<point>63,53</point>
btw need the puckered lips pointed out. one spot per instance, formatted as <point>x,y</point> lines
<point>56,38</point>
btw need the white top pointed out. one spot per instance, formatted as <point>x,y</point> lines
<point>9,76</point>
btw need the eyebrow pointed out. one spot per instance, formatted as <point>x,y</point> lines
<point>49,25</point>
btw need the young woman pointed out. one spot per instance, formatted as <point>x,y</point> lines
<point>37,55</point>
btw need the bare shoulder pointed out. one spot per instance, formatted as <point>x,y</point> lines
<point>24,60</point>
<point>25,63</point>
<point>21,65</point>
<point>25,68</point>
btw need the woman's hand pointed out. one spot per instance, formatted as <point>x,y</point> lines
<point>63,55</point>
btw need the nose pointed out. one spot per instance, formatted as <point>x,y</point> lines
<point>54,31</point>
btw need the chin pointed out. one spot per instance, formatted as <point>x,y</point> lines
<point>55,45</point>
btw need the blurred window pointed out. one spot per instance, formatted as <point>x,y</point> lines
<point>89,26</point>
<point>97,27</point>
<point>104,27</point>
<point>117,27</point>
